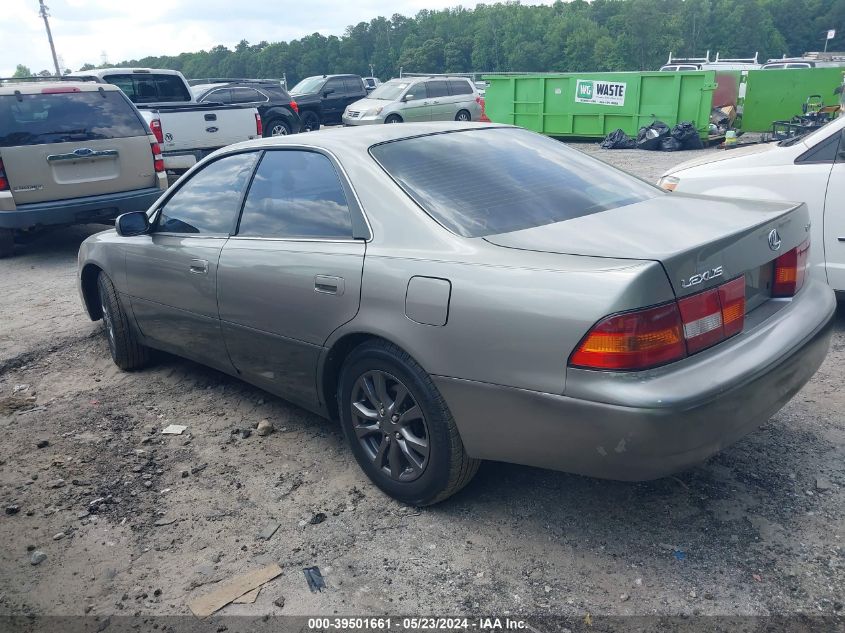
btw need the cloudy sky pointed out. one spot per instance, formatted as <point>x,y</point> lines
<point>84,30</point>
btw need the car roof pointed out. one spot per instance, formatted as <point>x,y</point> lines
<point>39,87</point>
<point>358,139</point>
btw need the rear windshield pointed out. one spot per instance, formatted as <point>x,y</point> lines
<point>70,116</point>
<point>498,180</point>
<point>150,88</point>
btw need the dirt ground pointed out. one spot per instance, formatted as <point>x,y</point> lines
<point>757,530</point>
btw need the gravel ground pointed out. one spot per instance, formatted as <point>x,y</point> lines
<point>757,530</point>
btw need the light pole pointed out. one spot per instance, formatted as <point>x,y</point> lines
<point>43,12</point>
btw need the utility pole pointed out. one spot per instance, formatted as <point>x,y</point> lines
<point>44,13</point>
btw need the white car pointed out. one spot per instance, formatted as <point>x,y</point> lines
<point>808,169</point>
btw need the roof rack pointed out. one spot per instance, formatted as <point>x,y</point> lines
<point>738,60</point>
<point>228,80</point>
<point>706,60</point>
<point>36,78</point>
<point>689,60</point>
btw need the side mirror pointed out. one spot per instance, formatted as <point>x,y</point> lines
<point>133,223</point>
<point>326,93</point>
<point>407,98</point>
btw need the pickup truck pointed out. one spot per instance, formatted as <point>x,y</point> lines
<point>808,169</point>
<point>186,130</point>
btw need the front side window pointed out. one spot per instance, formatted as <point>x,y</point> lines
<point>208,203</point>
<point>335,86</point>
<point>496,180</point>
<point>416,92</point>
<point>296,194</point>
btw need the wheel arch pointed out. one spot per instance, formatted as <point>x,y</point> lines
<point>332,362</point>
<point>88,289</point>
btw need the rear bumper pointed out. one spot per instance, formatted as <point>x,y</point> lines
<point>103,208</point>
<point>672,433</point>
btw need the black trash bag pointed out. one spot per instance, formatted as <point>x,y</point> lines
<point>618,140</point>
<point>649,137</point>
<point>669,144</point>
<point>686,133</point>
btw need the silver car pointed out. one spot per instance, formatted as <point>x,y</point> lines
<point>453,292</point>
<point>417,99</point>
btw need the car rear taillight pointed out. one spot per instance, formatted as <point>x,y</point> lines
<point>294,106</point>
<point>633,340</point>
<point>259,127</point>
<point>155,126</point>
<point>483,118</point>
<point>643,339</point>
<point>790,270</point>
<point>713,315</point>
<point>4,181</point>
<point>158,160</point>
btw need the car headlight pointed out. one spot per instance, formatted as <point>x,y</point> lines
<point>669,183</point>
<point>374,111</point>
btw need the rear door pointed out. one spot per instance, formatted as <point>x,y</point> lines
<point>69,143</point>
<point>442,103</point>
<point>834,221</point>
<point>171,273</point>
<point>292,273</point>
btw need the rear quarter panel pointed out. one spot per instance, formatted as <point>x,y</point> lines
<point>511,323</point>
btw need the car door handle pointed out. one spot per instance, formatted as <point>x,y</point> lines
<point>329,285</point>
<point>199,266</point>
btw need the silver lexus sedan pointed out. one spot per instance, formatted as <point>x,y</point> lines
<point>458,292</point>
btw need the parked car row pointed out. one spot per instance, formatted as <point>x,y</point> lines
<point>69,149</point>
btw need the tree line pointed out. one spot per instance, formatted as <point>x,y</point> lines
<point>601,35</point>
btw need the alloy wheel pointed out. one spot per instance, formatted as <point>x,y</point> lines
<point>278,130</point>
<point>390,426</point>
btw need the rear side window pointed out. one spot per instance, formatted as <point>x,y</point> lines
<point>353,85</point>
<point>437,88</point>
<point>150,88</point>
<point>459,87</point>
<point>497,180</point>
<point>246,95</point>
<point>221,95</point>
<point>208,203</point>
<point>296,194</point>
<point>69,116</point>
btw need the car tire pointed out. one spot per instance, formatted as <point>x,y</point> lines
<point>419,460</point>
<point>276,127</point>
<point>7,242</point>
<point>126,351</point>
<point>393,118</point>
<point>463,115</point>
<point>310,121</point>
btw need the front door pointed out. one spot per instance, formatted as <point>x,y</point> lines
<point>171,273</point>
<point>292,273</point>
<point>417,106</point>
<point>834,222</point>
<point>334,100</point>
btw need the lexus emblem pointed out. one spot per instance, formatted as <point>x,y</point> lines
<point>774,240</point>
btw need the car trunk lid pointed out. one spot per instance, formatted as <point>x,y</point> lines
<point>63,171</point>
<point>700,241</point>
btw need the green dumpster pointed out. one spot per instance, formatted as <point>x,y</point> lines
<point>591,105</point>
<point>777,95</point>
